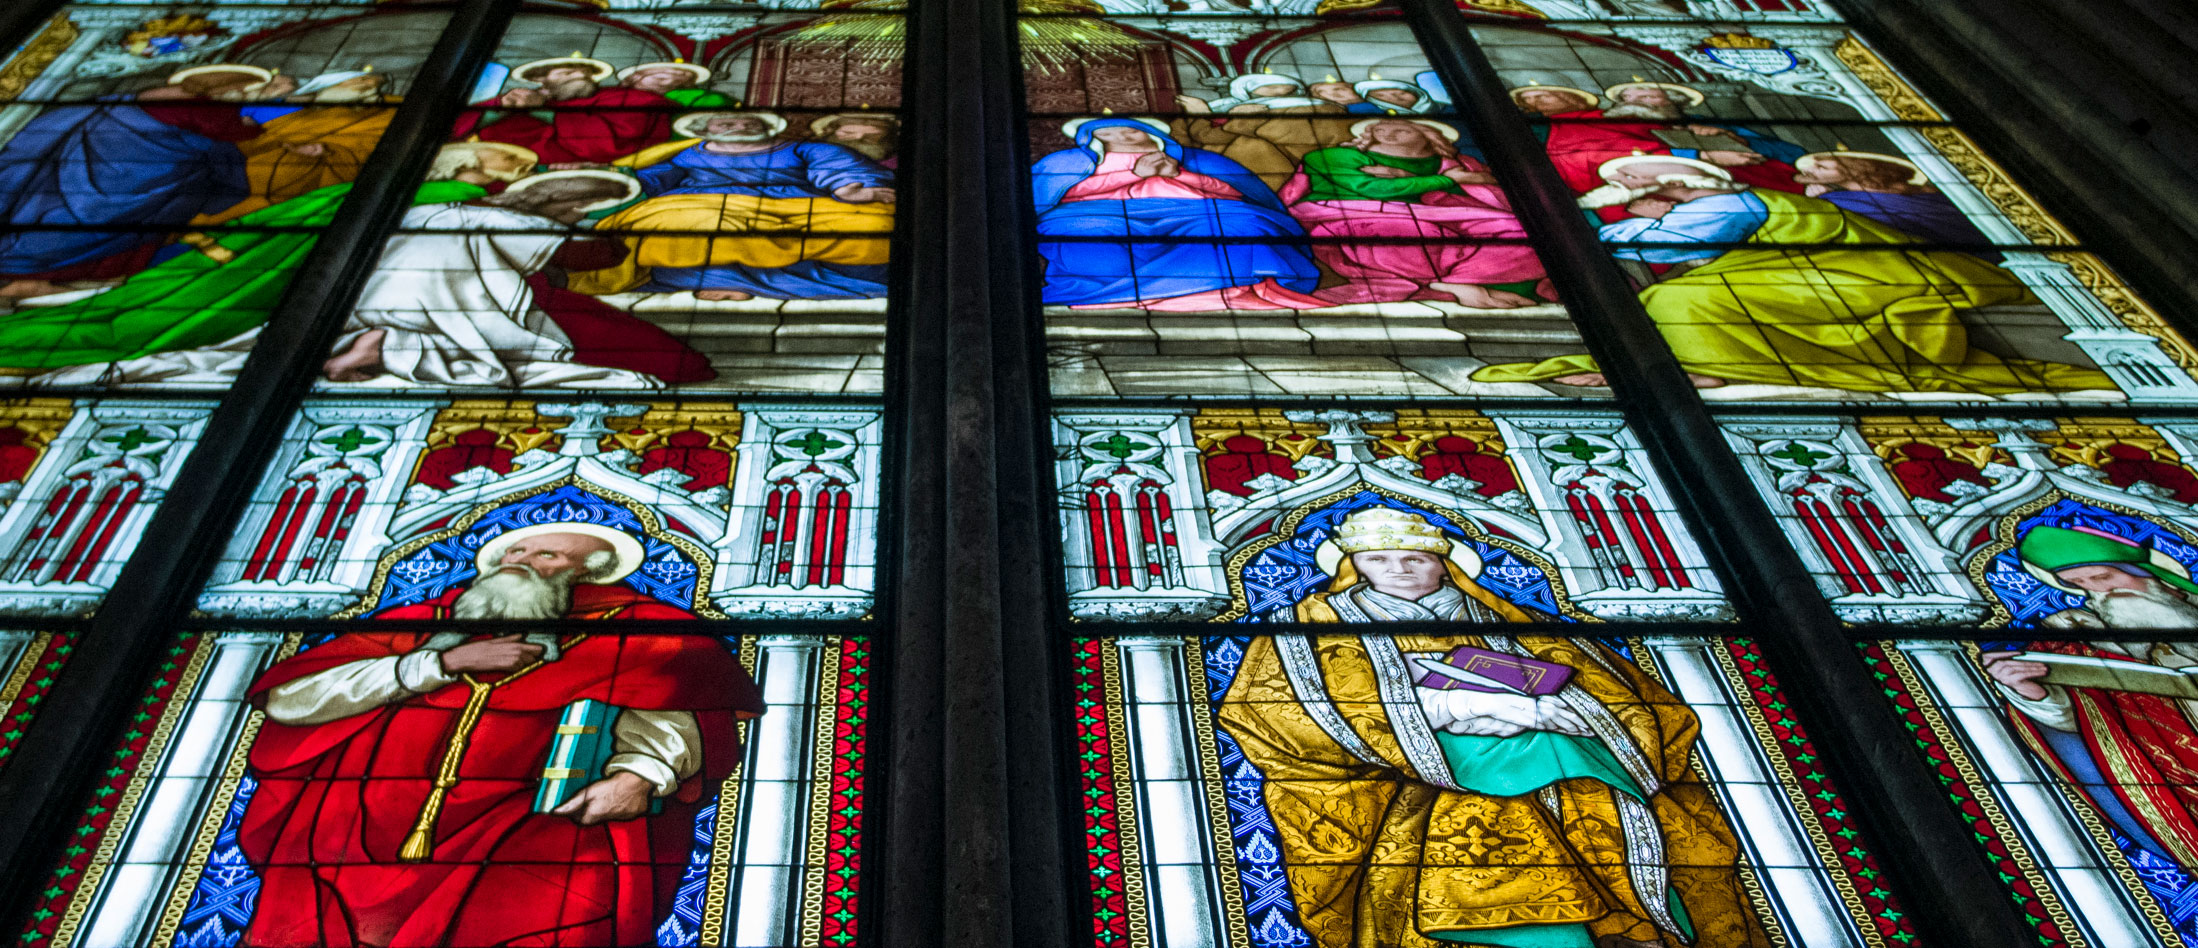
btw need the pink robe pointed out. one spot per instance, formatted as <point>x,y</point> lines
<point>1457,228</point>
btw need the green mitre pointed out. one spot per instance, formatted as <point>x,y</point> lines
<point>2048,550</point>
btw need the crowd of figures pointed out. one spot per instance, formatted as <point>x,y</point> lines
<point>1284,196</point>
<point>491,281</point>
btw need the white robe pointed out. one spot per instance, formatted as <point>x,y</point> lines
<point>456,308</point>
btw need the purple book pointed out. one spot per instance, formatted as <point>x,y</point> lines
<point>1505,674</point>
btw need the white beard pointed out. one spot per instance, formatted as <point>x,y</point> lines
<point>2154,608</point>
<point>1630,110</point>
<point>1612,195</point>
<point>731,139</point>
<point>516,592</point>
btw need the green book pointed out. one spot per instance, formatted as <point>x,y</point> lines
<point>578,753</point>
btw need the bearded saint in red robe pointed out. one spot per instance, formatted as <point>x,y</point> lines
<point>357,843</point>
<point>584,122</point>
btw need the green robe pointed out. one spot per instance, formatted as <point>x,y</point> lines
<point>1863,320</point>
<point>189,301</point>
<point>699,98</point>
<point>1332,174</point>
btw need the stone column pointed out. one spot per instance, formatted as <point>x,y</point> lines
<point>774,780</point>
<point>1179,882</point>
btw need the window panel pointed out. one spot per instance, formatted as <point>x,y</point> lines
<point>81,479</point>
<point>1221,806</point>
<point>2076,783</point>
<point>1250,515</point>
<point>396,507</point>
<point>1981,520</point>
<point>236,812</point>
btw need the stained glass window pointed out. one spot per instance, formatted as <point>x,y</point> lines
<point>494,473</point>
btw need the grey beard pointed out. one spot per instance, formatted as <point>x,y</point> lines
<point>1632,110</point>
<point>727,138</point>
<point>2154,608</point>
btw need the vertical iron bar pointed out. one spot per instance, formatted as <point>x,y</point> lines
<point>1922,840</point>
<point>52,770</point>
<point>969,827</point>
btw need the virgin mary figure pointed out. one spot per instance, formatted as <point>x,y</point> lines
<point>1141,216</point>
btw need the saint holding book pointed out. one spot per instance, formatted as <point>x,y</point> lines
<point>1538,794</point>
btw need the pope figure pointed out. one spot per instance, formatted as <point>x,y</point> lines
<point>1418,817</point>
<point>358,841</point>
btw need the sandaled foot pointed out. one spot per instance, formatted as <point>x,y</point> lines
<point>1705,381</point>
<point>1584,380</point>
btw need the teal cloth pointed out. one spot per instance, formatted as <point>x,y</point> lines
<point>1521,764</point>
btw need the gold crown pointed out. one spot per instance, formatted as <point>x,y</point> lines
<point>1738,41</point>
<point>1382,528</point>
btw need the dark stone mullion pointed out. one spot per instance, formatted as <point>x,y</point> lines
<point>1945,882</point>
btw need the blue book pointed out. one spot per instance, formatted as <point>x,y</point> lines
<point>578,753</point>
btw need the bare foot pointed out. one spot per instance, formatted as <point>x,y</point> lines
<point>1705,381</point>
<point>1481,297</point>
<point>716,295</point>
<point>1584,380</point>
<point>25,289</point>
<point>359,361</point>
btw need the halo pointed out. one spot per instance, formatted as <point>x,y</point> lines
<point>1158,127</point>
<point>600,70</point>
<point>1358,129</point>
<point>633,187</point>
<point>1916,175</point>
<point>690,124</point>
<point>1328,556</point>
<point>1591,97</point>
<point>623,546</point>
<point>1603,170</point>
<point>701,73</point>
<point>254,71</point>
<point>819,126</point>
<point>1693,96</point>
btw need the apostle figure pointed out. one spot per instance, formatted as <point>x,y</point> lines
<point>1404,178</point>
<point>1338,93</point>
<point>1127,182</point>
<point>589,124</point>
<point>1416,816</point>
<point>747,214</point>
<point>681,82</point>
<point>1390,97</point>
<point>2129,751</point>
<point>357,841</point>
<point>874,135</point>
<point>1265,123</point>
<point>1660,126</point>
<point>324,138</point>
<point>1891,191</point>
<point>1783,289</point>
<point>193,317</point>
<point>159,157</point>
<point>452,302</point>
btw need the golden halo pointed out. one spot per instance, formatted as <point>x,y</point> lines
<point>623,546</point>
<point>700,73</point>
<point>1592,98</point>
<point>820,126</point>
<point>633,187</point>
<point>1693,96</point>
<point>600,70</point>
<point>254,71</point>
<point>1603,170</point>
<point>690,124</point>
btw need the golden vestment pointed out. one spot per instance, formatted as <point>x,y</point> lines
<point>278,174</point>
<point>1386,847</point>
<point>1268,144</point>
<point>725,230</point>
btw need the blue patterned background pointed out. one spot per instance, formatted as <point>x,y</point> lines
<point>1286,572</point>
<point>666,575</point>
<point>2030,600</point>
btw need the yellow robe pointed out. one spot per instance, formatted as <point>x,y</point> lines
<point>1382,855</point>
<point>721,230</point>
<point>1863,320</point>
<point>277,174</point>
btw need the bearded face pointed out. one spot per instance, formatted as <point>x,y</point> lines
<point>736,129</point>
<point>2150,605</point>
<point>1666,110</point>
<point>517,591</point>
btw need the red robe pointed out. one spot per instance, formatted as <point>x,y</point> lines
<point>2145,746</point>
<point>336,800</point>
<point>596,129</point>
<point>1578,148</point>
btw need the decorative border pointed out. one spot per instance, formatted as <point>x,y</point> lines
<point>121,788</point>
<point>1988,823</point>
<point>36,55</point>
<point>1223,840</point>
<point>842,863</point>
<point>1098,752</point>
<point>21,693</point>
